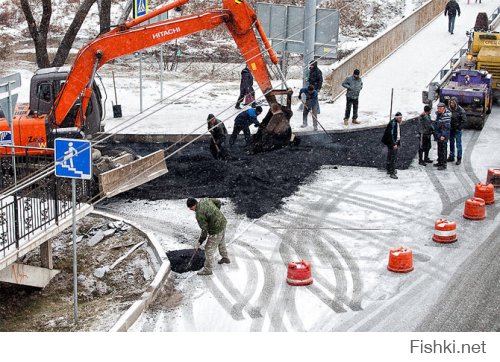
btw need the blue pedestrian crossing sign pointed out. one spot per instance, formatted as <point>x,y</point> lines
<point>73,158</point>
<point>140,8</point>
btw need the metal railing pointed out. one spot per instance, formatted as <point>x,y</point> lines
<point>27,212</point>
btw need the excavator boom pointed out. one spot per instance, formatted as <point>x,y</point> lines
<point>239,18</point>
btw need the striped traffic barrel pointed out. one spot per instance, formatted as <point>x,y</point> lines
<point>445,231</point>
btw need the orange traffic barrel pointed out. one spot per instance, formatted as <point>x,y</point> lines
<point>475,209</point>
<point>400,260</point>
<point>445,231</point>
<point>485,192</point>
<point>299,273</point>
<point>493,177</point>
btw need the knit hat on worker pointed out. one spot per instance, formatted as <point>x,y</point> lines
<point>210,116</point>
<point>356,72</point>
<point>398,114</point>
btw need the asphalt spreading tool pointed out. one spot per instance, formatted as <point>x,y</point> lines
<point>315,118</point>
<point>190,262</point>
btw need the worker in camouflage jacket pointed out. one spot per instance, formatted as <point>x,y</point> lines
<point>213,225</point>
<point>442,126</point>
<point>458,120</point>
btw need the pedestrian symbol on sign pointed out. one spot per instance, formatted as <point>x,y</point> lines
<point>73,158</point>
<point>140,8</point>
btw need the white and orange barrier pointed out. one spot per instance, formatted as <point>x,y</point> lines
<point>299,273</point>
<point>445,231</point>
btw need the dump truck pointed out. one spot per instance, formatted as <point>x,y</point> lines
<point>68,103</point>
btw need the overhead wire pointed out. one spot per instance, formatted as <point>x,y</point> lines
<point>144,116</point>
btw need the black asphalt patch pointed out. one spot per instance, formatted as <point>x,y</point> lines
<point>182,261</point>
<point>257,184</point>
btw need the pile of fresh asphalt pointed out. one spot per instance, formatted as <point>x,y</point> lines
<point>258,183</point>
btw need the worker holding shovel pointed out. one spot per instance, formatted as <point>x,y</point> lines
<point>309,97</point>
<point>213,224</point>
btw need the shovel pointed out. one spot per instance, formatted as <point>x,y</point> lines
<point>190,262</point>
<point>117,109</point>
<point>316,119</point>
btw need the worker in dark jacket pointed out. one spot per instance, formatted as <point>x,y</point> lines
<point>425,131</point>
<point>242,123</point>
<point>452,9</point>
<point>309,97</point>
<point>353,84</point>
<point>392,139</point>
<point>458,120</point>
<point>246,87</point>
<point>213,225</point>
<point>218,134</point>
<point>315,77</point>
<point>442,126</point>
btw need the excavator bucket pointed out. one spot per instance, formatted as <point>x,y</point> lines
<point>132,174</point>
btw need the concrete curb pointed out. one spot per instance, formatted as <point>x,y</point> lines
<point>139,306</point>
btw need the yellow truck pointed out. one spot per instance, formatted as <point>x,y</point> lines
<point>484,48</point>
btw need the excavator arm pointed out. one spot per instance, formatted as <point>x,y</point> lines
<point>128,38</point>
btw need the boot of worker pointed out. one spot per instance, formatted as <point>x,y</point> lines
<point>421,159</point>
<point>459,161</point>
<point>427,159</point>
<point>450,158</point>
<point>355,121</point>
<point>205,271</point>
<point>224,261</point>
<point>237,106</point>
<point>346,121</point>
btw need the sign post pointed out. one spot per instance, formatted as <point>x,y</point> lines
<point>73,159</point>
<point>8,104</point>
<point>141,7</point>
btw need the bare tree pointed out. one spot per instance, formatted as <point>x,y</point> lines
<point>104,14</point>
<point>69,37</point>
<point>39,32</point>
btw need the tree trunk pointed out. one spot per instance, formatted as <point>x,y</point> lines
<point>69,37</point>
<point>105,15</point>
<point>39,34</point>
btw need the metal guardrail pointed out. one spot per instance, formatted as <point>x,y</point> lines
<point>494,19</point>
<point>36,207</point>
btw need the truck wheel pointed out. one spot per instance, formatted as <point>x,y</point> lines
<point>490,105</point>
<point>480,123</point>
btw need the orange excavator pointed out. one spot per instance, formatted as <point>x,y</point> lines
<point>68,103</point>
